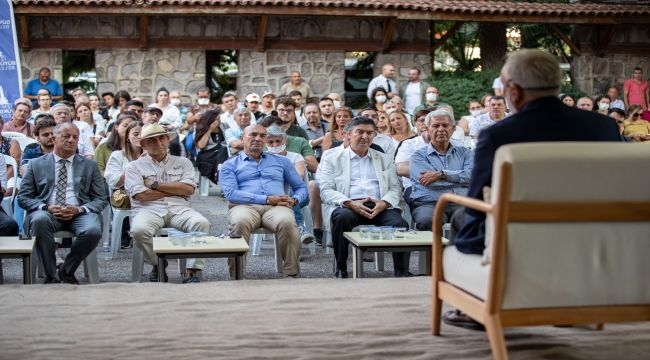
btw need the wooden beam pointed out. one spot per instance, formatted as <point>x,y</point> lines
<point>389,30</point>
<point>85,43</point>
<point>144,32</point>
<point>454,29</point>
<point>23,41</point>
<point>575,49</point>
<point>605,36</point>
<point>261,32</point>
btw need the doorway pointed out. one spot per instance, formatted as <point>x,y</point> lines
<point>221,69</point>
<point>78,72</point>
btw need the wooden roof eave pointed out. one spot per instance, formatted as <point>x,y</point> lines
<point>628,17</point>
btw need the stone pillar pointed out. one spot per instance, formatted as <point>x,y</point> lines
<point>33,60</point>
<point>262,71</point>
<point>141,73</point>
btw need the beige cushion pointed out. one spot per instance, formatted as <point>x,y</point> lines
<point>567,264</point>
<point>465,271</point>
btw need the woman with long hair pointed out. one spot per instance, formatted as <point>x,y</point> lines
<point>635,127</point>
<point>121,98</point>
<point>171,116</point>
<point>602,104</point>
<point>99,114</point>
<point>116,167</point>
<point>400,127</point>
<point>209,140</point>
<point>334,136</point>
<point>84,115</point>
<point>383,125</point>
<point>378,98</point>
<point>115,139</point>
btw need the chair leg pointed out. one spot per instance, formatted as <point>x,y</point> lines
<point>495,335</point>
<point>91,267</point>
<point>379,261</point>
<point>2,281</point>
<point>204,186</point>
<point>600,327</point>
<point>436,314</point>
<point>256,243</point>
<point>422,262</point>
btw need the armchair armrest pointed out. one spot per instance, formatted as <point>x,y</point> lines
<point>436,256</point>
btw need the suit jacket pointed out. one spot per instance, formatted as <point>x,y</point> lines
<point>545,119</point>
<point>38,183</point>
<point>333,177</point>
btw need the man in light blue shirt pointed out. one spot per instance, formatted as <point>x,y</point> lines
<point>438,168</point>
<point>253,182</point>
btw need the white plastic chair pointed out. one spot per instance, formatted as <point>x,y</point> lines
<point>13,134</point>
<point>23,141</point>
<point>116,227</point>
<point>7,201</point>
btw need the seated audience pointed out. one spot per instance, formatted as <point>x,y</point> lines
<point>439,167</point>
<point>234,134</point>
<point>114,140</point>
<point>635,127</point>
<point>63,191</point>
<point>160,186</point>
<point>209,140</point>
<point>334,136</point>
<point>359,186</point>
<point>254,184</point>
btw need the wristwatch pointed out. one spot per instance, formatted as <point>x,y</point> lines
<point>295,201</point>
<point>443,174</point>
<point>154,185</point>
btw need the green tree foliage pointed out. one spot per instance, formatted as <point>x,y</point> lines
<point>460,46</point>
<point>459,88</point>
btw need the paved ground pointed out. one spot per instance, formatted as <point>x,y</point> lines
<point>214,208</point>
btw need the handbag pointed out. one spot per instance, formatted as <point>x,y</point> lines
<point>120,199</point>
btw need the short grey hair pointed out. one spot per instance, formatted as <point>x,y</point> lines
<point>276,131</point>
<point>440,112</point>
<point>240,111</point>
<point>536,71</point>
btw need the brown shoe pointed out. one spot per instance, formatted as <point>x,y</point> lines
<point>458,319</point>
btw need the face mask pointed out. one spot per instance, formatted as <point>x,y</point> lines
<point>603,106</point>
<point>276,149</point>
<point>175,102</point>
<point>431,97</point>
<point>380,99</point>
<point>203,101</point>
<point>476,113</point>
<point>390,111</point>
<point>337,104</point>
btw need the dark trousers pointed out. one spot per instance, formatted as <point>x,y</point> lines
<point>344,219</point>
<point>8,226</point>
<point>86,228</point>
<point>423,214</point>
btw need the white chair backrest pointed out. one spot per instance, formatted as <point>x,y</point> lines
<point>24,141</point>
<point>13,134</point>
<point>552,264</point>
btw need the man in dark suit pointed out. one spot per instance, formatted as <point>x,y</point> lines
<point>63,191</point>
<point>532,82</point>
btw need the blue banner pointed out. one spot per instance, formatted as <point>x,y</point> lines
<point>10,74</point>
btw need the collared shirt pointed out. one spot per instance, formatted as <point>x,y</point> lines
<point>363,177</point>
<point>232,134</point>
<point>70,194</point>
<point>457,163</point>
<point>381,81</point>
<point>246,181</point>
<point>480,122</point>
<point>32,151</point>
<point>171,169</point>
<point>25,129</point>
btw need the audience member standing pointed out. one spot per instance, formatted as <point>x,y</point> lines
<point>635,90</point>
<point>385,80</point>
<point>43,81</point>
<point>296,83</point>
<point>413,92</point>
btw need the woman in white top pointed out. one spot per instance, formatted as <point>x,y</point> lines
<point>131,150</point>
<point>86,124</point>
<point>171,116</point>
<point>98,115</point>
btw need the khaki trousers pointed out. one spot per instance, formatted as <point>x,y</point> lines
<point>244,219</point>
<point>145,223</point>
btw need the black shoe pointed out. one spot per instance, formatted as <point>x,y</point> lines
<point>67,279</point>
<point>341,274</point>
<point>458,319</point>
<point>51,280</point>
<point>191,279</point>
<point>153,275</point>
<point>403,273</point>
<point>318,234</point>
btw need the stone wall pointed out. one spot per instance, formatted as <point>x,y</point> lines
<point>141,73</point>
<point>261,71</point>
<point>403,62</point>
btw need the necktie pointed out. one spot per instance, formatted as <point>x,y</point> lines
<point>388,86</point>
<point>61,182</point>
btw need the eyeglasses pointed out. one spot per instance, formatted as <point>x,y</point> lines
<point>636,115</point>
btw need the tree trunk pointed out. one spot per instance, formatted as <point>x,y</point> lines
<point>493,43</point>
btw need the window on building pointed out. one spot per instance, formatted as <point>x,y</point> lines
<point>221,70</point>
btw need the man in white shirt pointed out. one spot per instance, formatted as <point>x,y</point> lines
<point>413,92</point>
<point>497,113</point>
<point>386,80</point>
<point>229,100</point>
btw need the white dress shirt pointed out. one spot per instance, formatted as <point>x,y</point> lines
<point>70,194</point>
<point>363,178</point>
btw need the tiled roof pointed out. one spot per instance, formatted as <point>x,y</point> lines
<point>477,7</point>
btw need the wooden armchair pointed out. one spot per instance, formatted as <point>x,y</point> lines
<point>567,240</point>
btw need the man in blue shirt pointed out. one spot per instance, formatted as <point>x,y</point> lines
<point>253,182</point>
<point>43,81</point>
<point>438,168</point>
